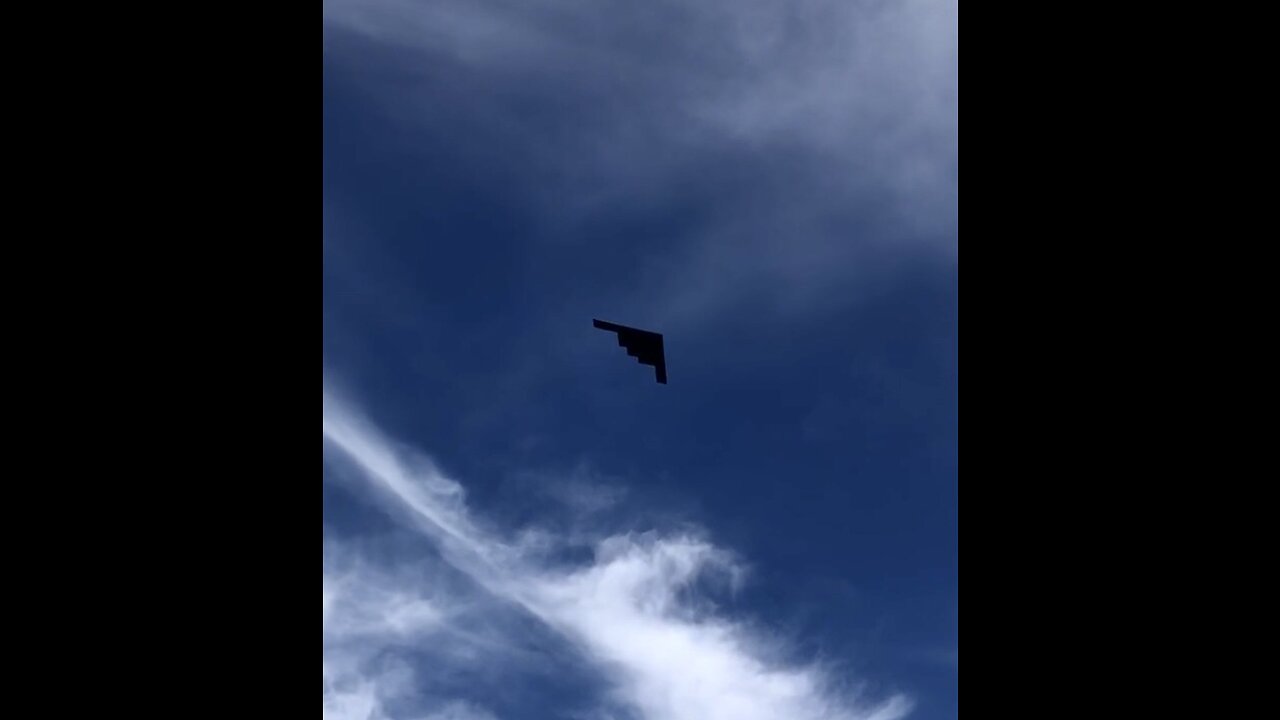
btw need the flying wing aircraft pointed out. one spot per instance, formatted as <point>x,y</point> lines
<point>644,346</point>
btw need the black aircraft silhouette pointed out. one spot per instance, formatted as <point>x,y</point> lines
<point>642,345</point>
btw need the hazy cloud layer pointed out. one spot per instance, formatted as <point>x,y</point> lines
<point>802,140</point>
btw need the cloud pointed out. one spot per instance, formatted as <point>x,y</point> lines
<point>801,140</point>
<point>639,611</point>
<point>368,611</point>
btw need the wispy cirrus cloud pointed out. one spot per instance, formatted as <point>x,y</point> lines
<point>636,612</point>
<point>372,608</point>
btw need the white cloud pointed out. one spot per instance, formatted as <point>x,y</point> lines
<point>380,613</point>
<point>363,602</point>
<point>636,611</point>
<point>354,700</point>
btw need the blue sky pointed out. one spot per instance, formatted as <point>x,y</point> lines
<point>519,522</point>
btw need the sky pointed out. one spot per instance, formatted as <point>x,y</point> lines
<point>519,522</point>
